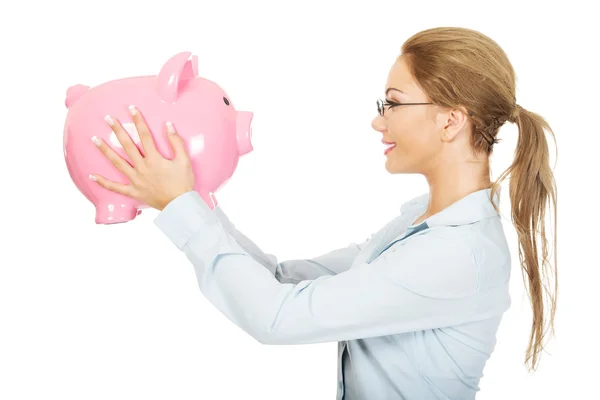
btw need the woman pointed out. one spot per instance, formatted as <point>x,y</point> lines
<point>415,308</point>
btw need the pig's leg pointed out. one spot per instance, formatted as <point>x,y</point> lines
<point>210,199</point>
<point>114,212</point>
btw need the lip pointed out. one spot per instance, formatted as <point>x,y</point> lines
<point>389,148</point>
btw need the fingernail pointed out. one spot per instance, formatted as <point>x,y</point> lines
<point>109,119</point>
<point>170,127</point>
<point>96,140</point>
<point>92,177</point>
<point>132,110</point>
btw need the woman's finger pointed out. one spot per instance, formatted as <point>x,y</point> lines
<point>116,187</point>
<point>126,142</point>
<point>177,144</point>
<point>143,131</point>
<point>119,162</point>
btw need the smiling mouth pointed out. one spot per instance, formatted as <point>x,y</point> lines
<point>390,146</point>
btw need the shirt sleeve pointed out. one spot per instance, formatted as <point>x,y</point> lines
<point>293,271</point>
<point>427,281</point>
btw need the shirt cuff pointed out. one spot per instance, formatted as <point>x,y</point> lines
<point>185,216</point>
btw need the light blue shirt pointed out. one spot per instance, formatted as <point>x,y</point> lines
<point>414,309</point>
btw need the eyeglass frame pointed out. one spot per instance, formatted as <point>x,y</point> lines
<point>381,105</point>
<point>381,110</point>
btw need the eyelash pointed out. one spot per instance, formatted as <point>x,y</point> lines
<point>390,103</point>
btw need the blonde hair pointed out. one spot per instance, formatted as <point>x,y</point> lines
<point>459,67</point>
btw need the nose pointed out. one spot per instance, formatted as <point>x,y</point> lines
<point>244,131</point>
<point>378,123</point>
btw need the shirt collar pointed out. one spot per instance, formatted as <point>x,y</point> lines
<point>471,208</point>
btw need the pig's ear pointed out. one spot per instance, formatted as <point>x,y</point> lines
<point>74,93</point>
<point>175,71</point>
<point>190,70</point>
<point>195,65</point>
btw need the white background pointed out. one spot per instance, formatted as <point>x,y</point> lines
<point>114,312</point>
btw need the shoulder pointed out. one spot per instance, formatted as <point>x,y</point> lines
<point>435,263</point>
<point>447,240</point>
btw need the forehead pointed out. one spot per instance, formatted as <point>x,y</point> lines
<point>400,78</point>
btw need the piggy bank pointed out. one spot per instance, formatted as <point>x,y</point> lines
<point>214,133</point>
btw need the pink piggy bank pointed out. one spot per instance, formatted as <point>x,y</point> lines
<point>215,134</point>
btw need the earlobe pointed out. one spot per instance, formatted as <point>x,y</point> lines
<point>445,135</point>
<point>449,133</point>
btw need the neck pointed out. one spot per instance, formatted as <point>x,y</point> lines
<point>451,182</point>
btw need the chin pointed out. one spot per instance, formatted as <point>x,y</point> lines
<point>393,167</point>
<point>396,167</point>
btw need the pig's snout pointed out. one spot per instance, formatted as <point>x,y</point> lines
<point>244,131</point>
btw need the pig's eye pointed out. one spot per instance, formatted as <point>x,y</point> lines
<point>226,101</point>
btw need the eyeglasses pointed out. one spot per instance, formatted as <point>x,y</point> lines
<point>381,105</point>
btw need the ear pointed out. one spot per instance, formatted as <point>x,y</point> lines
<point>190,70</point>
<point>454,122</point>
<point>174,72</point>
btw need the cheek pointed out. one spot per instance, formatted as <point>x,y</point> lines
<point>415,141</point>
<point>408,134</point>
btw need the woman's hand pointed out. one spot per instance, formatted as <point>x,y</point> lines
<point>155,180</point>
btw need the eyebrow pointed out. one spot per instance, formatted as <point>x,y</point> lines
<point>388,90</point>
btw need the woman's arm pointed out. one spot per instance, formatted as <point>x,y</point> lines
<point>428,281</point>
<point>294,271</point>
